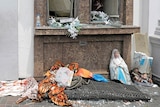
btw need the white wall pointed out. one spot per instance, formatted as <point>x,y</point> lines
<point>136,12</point>
<point>154,15</point>
<point>16,39</point>
<point>146,14</point>
<point>25,37</point>
<point>8,40</point>
<point>141,15</point>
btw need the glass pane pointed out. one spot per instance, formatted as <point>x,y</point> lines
<point>109,7</point>
<point>61,8</point>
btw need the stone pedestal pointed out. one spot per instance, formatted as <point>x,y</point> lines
<point>92,48</point>
<point>155,46</point>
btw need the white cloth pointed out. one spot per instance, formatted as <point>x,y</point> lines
<point>64,76</point>
<point>19,87</point>
<point>142,62</point>
<point>118,62</point>
<point>31,89</point>
<point>13,88</point>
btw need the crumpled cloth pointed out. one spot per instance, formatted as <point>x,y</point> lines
<point>18,87</point>
<point>13,88</point>
<point>31,89</point>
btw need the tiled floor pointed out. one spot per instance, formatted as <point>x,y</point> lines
<point>9,101</point>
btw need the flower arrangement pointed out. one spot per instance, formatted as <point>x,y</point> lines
<point>72,26</point>
<point>100,16</point>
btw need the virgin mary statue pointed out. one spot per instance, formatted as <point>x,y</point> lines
<point>118,68</point>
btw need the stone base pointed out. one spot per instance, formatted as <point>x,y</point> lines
<point>92,48</point>
<point>155,46</point>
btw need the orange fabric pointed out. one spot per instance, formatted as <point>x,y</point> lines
<point>48,73</point>
<point>73,66</point>
<point>84,73</point>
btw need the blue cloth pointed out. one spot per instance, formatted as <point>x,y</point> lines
<point>121,76</point>
<point>100,78</point>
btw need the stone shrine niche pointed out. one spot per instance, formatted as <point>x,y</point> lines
<point>123,9</point>
<point>93,46</point>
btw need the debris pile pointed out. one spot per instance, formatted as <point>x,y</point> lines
<point>56,80</point>
<point>64,83</point>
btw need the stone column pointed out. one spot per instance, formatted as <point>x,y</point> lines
<point>84,11</point>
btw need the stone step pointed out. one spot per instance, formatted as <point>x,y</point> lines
<point>157,31</point>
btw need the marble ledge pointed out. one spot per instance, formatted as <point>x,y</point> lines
<point>89,30</point>
<point>155,40</point>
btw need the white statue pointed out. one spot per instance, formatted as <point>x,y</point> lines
<point>142,62</point>
<point>118,68</point>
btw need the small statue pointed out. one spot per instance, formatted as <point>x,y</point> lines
<point>118,68</point>
<point>141,78</point>
<point>143,62</point>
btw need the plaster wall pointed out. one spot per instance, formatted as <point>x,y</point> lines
<point>154,16</point>
<point>8,40</point>
<point>25,38</point>
<point>141,15</point>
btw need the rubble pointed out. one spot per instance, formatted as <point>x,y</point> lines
<point>48,88</point>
